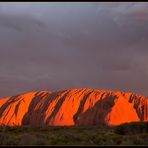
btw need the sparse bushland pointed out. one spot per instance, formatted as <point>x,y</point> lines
<point>132,128</point>
<point>135,133</point>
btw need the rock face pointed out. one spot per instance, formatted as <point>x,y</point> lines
<point>73,107</point>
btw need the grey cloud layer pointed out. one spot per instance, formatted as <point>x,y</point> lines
<point>54,46</point>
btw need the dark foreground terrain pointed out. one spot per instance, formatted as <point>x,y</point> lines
<point>125,134</point>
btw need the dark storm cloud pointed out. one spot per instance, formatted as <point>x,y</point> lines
<point>56,46</point>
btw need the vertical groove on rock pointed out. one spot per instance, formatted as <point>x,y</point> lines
<point>6,105</point>
<point>10,101</point>
<point>57,107</point>
<point>80,109</point>
<point>27,117</point>
<point>17,107</point>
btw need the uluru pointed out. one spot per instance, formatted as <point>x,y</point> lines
<point>73,107</point>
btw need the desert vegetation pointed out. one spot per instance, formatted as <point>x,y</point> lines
<point>135,133</point>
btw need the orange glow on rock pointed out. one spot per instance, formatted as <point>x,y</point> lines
<point>120,114</point>
<point>73,107</point>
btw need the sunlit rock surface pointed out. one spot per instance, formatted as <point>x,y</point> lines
<point>73,107</point>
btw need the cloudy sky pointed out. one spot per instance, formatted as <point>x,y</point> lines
<point>56,46</point>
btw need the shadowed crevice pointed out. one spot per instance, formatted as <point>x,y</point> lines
<point>102,108</point>
<point>6,113</point>
<point>10,101</point>
<point>41,110</point>
<point>139,110</point>
<point>15,111</point>
<point>39,96</point>
<point>17,107</point>
<point>57,107</point>
<point>80,109</point>
<point>97,114</point>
